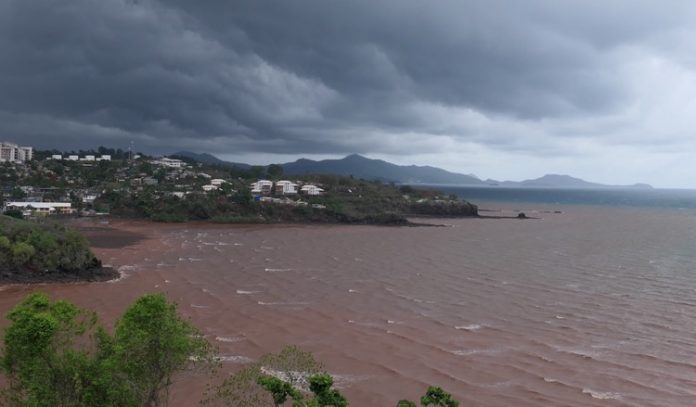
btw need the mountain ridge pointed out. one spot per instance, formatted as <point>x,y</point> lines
<point>375,169</point>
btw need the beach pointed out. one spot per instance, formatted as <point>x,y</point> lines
<point>581,307</point>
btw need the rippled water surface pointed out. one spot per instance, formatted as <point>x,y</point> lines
<point>591,306</point>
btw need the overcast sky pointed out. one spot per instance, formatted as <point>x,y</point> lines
<point>603,90</point>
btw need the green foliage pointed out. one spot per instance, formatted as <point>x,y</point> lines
<point>275,171</point>
<point>56,355</point>
<point>43,246</point>
<point>280,390</point>
<point>41,359</point>
<point>321,385</point>
<point>435,396</point>
<point>152,343</point>
<point>14,213</point>
<point>22,252</point>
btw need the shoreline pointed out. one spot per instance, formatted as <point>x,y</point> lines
<point>98,275</point>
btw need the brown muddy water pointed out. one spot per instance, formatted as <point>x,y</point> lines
<point>589,307</point>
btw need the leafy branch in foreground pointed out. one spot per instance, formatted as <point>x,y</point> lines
<point>55,354</point>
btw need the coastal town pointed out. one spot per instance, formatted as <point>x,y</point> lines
<point>125,183</point>
<point>58,187</point>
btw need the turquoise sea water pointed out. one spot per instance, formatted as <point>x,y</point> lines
<point>649,198</point>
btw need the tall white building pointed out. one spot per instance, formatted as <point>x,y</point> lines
<point>10,152</point>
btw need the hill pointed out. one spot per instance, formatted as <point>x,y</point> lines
<point>380,170</point>
<point>362,167</point>
<point>564,181</point>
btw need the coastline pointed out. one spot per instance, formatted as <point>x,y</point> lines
<point>444,298</point>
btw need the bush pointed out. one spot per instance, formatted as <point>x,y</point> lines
<point>56,354</point>
<point>43,246</point>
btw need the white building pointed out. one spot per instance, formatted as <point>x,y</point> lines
<point>208,188</point>
<point>89,198</point>
<point>10,152</point>
<point>73,157</point>
<point>104,157</point>
<point>43,208</point>
<point>88,158</point>
<point>217,182</point>
<point>262,186</point>
<point>169,162</point>
<point>311,190</point>
<point>56,157</point>
<point>285,188</point>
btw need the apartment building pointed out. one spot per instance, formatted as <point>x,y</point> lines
<point>10,152</point>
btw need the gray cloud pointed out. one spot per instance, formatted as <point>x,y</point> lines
<point>392,77</point>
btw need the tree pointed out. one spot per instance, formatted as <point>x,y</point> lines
<point>17,193</point>
<point>280,390</point>
<point>275,170</point>
<point>42,362</point>
<point>152,343</point>
<point>55,354</point>
<point>14,213</point>
<point>435,396</point>
<point>319,384</point>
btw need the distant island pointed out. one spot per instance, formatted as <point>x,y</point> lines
<point>371,169</point>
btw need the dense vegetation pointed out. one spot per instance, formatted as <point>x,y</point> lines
<point>43,247</point>
<point>56,354</point>
<point>346,200</point>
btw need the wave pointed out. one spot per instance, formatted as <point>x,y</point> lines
<point>243,292</point>
<point>229,339</point>
<point>602,395</point>
<point>283,303</point>
<point>272,270</point>
<point>470,328</point>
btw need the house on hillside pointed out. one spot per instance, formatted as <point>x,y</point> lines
<point>168,162</point>
<point>285,188</point>
<point>261,187</point>
<point>310,189</point>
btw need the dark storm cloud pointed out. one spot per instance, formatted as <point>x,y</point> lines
<point>307,76</point>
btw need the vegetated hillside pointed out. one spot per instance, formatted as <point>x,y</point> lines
<point>345,200</point>
<point>42,250</point>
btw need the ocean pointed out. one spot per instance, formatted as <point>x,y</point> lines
<point>591,304</point>
<point>614,197</point>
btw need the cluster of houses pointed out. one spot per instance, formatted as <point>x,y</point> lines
<point>11,152</point>
<point>168,162</point>
<point>284,187</point>
<point>74,157</point>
